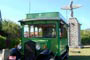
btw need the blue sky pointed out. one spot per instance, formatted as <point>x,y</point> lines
<point>16,9</point>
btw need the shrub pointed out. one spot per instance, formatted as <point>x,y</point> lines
<point>86,41</point>
<point>2,42</point>
<point>85,37</point>
<point>14,42</point>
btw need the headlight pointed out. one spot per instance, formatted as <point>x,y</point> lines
<point>19,46</point>
<point>37,46</point>
<point>52,59</point>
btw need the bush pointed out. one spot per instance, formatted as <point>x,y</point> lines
<point>85,37</point>
<point>14,42</point>
<point>2,42</point>
<point>86,41</point>
<point>11,43</point>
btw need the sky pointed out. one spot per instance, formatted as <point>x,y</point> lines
<point>16,10</point>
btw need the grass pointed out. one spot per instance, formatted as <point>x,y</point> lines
<point>79,54</point>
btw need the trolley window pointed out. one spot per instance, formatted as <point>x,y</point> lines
<point>63,30</point>
<point>40,30</point>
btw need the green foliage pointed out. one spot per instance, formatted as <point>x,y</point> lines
<point>85,37</point>
<point>13,32</point>
<point>14,42</point>
<point>2,42</point>
<point>0,25</point>
<point>11,28</point>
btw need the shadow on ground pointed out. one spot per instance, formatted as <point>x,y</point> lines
<point>79,57</point>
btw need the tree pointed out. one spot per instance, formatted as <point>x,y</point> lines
<point>11,28</point>
<point>13,32</point>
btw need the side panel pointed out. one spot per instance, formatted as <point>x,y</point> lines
<point>63,44</point>
<point>43,15</point>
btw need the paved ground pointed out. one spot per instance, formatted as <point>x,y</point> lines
<point>76,54</point>
<point>79,54</point>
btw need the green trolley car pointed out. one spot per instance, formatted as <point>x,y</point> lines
<point>44,36</point>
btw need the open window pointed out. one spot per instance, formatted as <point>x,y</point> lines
<point>63,30</point>
<point>40,30</point>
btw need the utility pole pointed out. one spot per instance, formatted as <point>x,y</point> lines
<point>29,6</point>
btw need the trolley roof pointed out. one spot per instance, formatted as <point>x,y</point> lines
<point>43,16</point>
